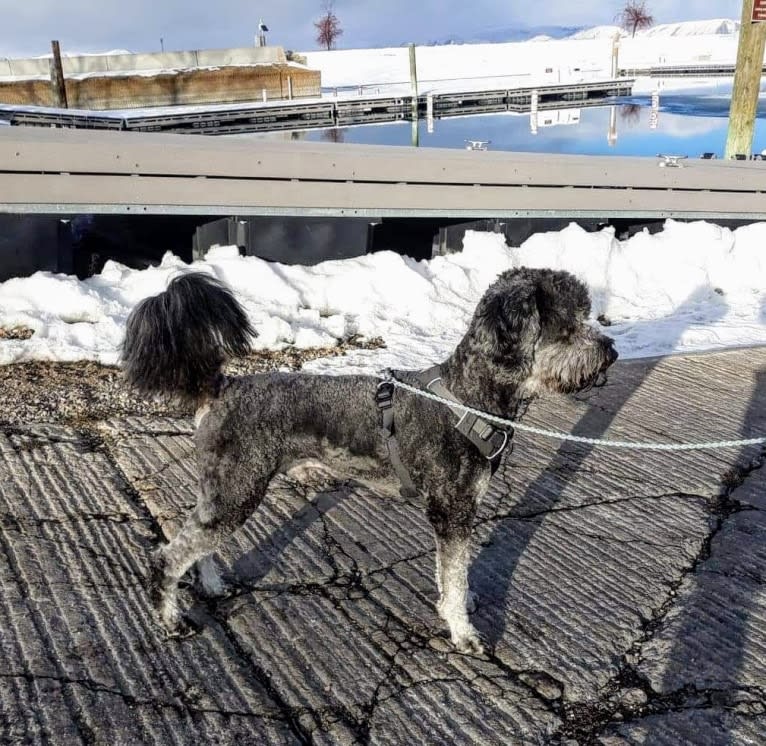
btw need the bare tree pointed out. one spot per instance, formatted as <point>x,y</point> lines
<point>328,27</point>
<point>635,16</point>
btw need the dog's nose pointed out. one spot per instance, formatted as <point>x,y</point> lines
<point>611,352</point>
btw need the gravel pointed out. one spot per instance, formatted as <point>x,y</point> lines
<point>84,392</point>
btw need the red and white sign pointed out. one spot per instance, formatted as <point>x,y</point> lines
<point>759,10</point>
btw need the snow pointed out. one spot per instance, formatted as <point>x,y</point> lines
<point>691,28</point>
<point>581,57</point>
<point>692,286</point>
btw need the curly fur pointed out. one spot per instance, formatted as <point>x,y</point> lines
<point>176,342</point>
<point>529,334</point>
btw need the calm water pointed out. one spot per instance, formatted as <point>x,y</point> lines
<point>681,124</point>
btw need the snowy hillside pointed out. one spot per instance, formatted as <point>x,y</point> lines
<point>597,32</point>
<point>713,27</point>
<point>692,28</point>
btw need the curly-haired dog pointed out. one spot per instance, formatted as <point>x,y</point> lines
<point>529,334</point>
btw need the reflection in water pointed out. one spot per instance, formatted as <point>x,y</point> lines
<point>681,129</point>
<point>630,114</point>
<point>334,134</point>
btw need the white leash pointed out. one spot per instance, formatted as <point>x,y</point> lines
<point>579,438</point>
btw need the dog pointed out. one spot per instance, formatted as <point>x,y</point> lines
<point>529,334</point>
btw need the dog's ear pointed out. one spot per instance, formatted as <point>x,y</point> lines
<point>507,319</point>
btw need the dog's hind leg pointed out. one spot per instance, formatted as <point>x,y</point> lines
<point>453,549</point>
<point>212,521</point>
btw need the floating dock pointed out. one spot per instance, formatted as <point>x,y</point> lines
<point>325,112</point>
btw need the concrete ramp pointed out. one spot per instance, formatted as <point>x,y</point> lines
<point>621,593</point>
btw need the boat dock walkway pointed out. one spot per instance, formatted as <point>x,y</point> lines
<point>68,172</point>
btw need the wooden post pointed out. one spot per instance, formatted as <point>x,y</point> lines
<point>747,82</point>
<point>414,81</point>
<point>57,78</point>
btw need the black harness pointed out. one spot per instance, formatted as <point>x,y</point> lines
<point>490,439</point>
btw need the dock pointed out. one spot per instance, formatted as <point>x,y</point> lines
<point>707,70</point>
<point>329,111</point>
<point>69,171</point>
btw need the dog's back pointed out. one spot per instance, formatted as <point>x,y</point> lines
<point>290,416</point>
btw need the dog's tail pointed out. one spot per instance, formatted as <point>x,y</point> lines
<point>177,341</point>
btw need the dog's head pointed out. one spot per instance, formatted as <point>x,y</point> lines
<point>533,323</point>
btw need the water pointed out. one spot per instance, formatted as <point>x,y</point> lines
<point>682,124</point>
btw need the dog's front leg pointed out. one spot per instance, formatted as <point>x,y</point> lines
<point>452,556</point>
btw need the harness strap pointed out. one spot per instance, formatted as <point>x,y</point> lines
<point>384,398</point>
<point>490,440</point>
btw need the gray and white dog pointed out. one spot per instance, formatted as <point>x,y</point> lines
<point>529,335</point>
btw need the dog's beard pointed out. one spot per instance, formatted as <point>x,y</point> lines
<point>566,367</point>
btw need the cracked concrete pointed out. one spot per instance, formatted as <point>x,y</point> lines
<point>622,594</point>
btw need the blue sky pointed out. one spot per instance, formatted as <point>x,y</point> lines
<point>84,25</point>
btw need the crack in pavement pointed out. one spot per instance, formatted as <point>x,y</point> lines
<point>586,721</point>
<point>134,701</point>
<point>532,517</point>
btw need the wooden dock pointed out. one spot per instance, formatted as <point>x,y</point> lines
<point>65,172</point>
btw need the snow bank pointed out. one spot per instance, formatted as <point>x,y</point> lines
<point>689,287</point>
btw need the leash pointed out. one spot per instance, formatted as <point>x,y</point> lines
<point>575,438</point>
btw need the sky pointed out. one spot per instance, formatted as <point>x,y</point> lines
<point>138,25</point>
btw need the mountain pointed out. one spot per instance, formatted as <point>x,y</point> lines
<point>718,26</point>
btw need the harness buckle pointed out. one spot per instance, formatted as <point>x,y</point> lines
<point>384,395</point>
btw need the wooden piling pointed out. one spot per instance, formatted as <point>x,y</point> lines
<point>747,83</point>
<point>57,77</point>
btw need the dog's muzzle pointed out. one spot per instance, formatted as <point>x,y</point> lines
<point>611,357</point>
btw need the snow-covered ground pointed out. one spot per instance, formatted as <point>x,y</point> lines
<point>690,287</point>
<point>583,57</point>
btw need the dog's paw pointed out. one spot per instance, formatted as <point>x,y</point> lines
<point>181,629</point>
<point>469,643</point>
<point>209,583</point>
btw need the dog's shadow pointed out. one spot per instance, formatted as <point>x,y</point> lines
<point>492,572</point>
<point>251,568</point>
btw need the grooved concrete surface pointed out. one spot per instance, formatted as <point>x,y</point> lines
<point>622,594</point>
